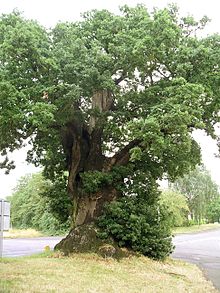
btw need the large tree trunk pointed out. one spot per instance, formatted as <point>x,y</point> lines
<point>89,207</point>
<point>83,147</point>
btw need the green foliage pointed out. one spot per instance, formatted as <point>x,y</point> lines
<point>139,226</point>
<point>138,220</point>
<point>93,181</point>
<point>57,199</point>
<point>213,210</point>
<point>176,205</point>
<point>170,85</point>
<point>163,82</point>
<point>200,191</point>
<point>29,209</point>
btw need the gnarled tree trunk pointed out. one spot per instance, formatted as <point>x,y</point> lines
<point>82,145</point>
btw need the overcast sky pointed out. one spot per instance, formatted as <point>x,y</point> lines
<point>49,12</point>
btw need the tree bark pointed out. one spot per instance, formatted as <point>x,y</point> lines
<point>83,148</point>
<point>89,207</point>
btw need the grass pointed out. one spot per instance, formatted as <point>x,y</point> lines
<point>84,273</point>
<point>196,228</point>
<point>22,233</point>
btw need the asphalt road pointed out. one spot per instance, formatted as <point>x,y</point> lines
<point>202,249</point>
<point>27,246</point>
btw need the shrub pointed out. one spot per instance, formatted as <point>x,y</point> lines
<point>135,224</point>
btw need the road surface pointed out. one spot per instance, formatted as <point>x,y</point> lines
<point>27,246</point>
<point>203,249</point>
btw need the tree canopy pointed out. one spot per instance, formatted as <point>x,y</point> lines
<point>162,82</point>
<point>112,99</point>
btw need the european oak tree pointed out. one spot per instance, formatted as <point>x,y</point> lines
<point>112,99</point>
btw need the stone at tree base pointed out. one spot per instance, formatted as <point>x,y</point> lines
<point>83,239</point>
<point>107,250</point>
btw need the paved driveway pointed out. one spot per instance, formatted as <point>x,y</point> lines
<point>27,246</point>
<point>203,249</point>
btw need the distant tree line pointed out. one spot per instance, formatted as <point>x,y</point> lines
<point>32,205</point>
<point>201,194</point>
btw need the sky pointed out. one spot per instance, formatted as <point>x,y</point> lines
<point>49,12</point>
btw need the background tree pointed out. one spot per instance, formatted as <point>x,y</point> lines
<point>176,205</point>
<point>111,98</point>
<point>30,208</point>
<point>213,211</point>
<point>200,191</point>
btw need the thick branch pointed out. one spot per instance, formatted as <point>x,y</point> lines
<point>122,157</point>
<point>102,101</point>
<point>121,78</point>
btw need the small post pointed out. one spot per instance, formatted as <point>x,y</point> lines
<point>1,225</point>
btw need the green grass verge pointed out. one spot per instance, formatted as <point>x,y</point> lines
<point>22,233</point>
<point>86,273</point>
<point>196,228</point>
<point>27,233</point>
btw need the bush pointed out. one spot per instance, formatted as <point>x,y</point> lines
<point>135,224</point>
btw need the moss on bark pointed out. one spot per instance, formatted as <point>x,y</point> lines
<point>83,239</point>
